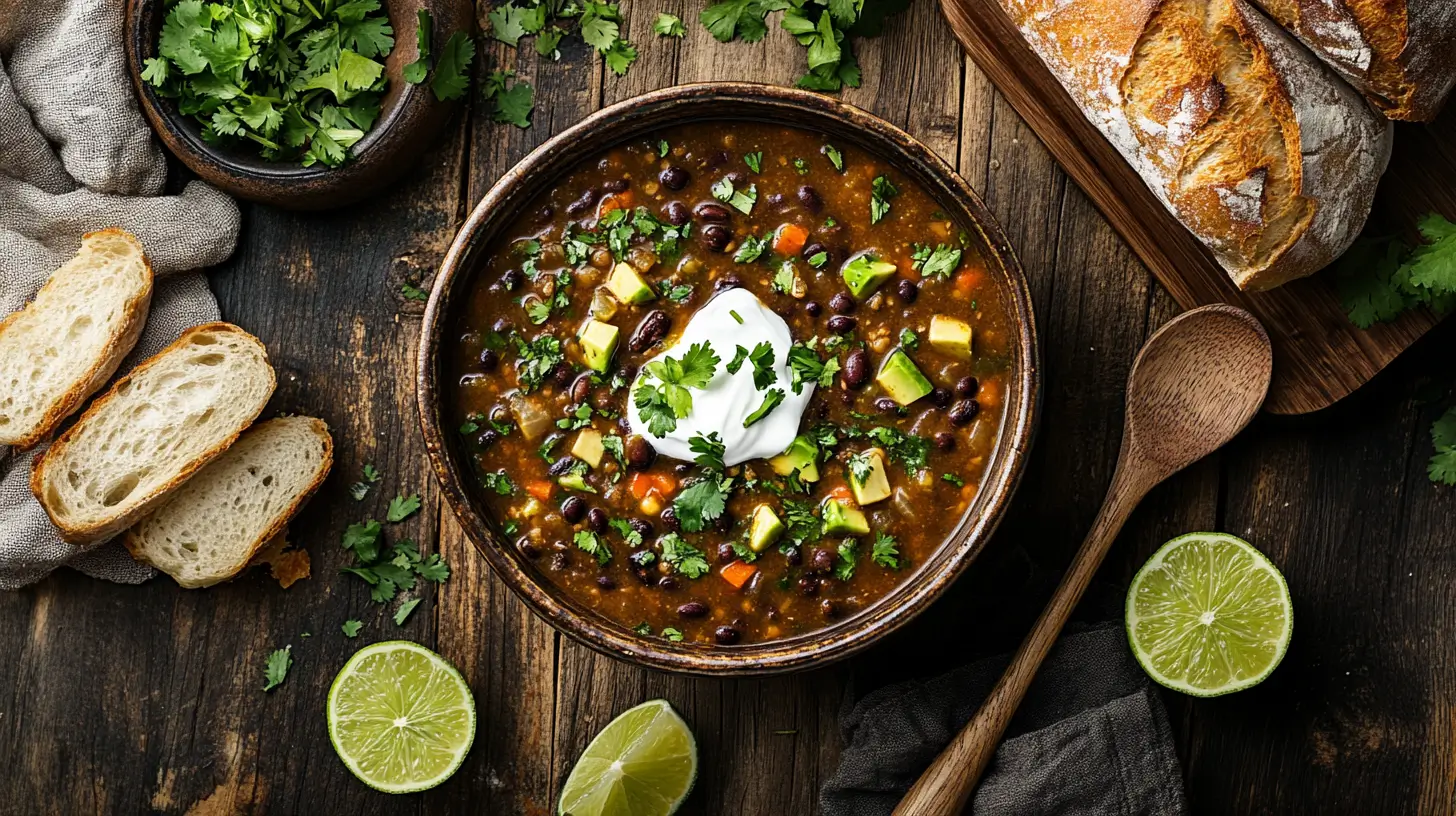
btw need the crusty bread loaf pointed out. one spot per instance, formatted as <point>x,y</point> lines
<point>1256,146</point>
<point>210,529</point>
<point>1402,53</point>
<point>68,341</point>
<point>152,430</point>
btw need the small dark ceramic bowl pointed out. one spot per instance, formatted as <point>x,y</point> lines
<point>410,119</point>
<point>633,118</point>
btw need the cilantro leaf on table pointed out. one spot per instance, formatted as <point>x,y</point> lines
<point>1433,264</point>
<point>620,56</point>
<point>363,539</point>
<point>401,508</point>
<point>507,23</point>
<point>351,628</point>
<point>433,569</point>
<point>276,669</point>
<point>402,614</point>
<point>701,504</point>
<point>1442,467</point>
<point>1378,279</point>
<point>668,25</point>
<point>687,560</point>
<point>452,69</point>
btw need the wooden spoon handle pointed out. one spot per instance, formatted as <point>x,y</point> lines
<point>947,784</point>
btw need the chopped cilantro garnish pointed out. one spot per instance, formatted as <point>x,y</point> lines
<point>351,628</point>
<point>818,259</point>
<point>861,466</point>
<point>805,366</point>
<point>737,318</point>
<point>909,339</point>
<point>676,292</point>
<point>885,552</point>
<point>593,545</point>
<point>629,535</point>
<point>688,560</point>
<point>751,249</point>
<point>801,166</point>
<point>642,629</point>
<point>940,262</point>
<point>754,161</point>
<point>803,526</point>
<point>701,504</point>
<point>881,191</point>
<point>576,418</point>
<point>498,482</point>
<point>744,552</point>
<point>672,634</point>
<point>783,281</point>
<point>402,614</point>
<point>663,404</point>
<point>536,360</point>
<point>848,553</point>
<point>771,400</point>
<point>835,157</point>
<point>708,451</point>
<point>740,200</point>
<point>762,358</point>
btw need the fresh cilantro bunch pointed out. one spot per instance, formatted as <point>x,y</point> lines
<point>549,21</point>
<point>299,79</point>
<point>1442,468</point>
<point>1380,279</point>
<point>824,27</point>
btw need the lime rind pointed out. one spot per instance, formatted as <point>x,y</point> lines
<point>644,763</point>
<point>400,685</point>
<point>1209,615</point>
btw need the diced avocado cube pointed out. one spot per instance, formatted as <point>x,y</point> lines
<point>765,529</point>
<point>876,486</point>
<point>901,379</point>
<point>802,455</point>
<point>628,286</point>
<point>841,519</point>
<point>863,275</point>
<point>588,447</point>
<point>598,344</point>
<point>951,336</point>
<point>575,481</point>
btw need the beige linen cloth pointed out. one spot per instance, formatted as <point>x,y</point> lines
<point>76,156</point>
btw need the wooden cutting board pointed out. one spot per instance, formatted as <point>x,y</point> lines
<point>1319,356</point>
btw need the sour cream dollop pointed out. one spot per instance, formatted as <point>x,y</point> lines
<point>729,399</point>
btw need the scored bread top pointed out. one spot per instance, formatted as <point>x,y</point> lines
<point>209,530</point>
<point>68,341</point>
<point>1261,151</point>
<point>153,429</point>
<point>1402,53</point>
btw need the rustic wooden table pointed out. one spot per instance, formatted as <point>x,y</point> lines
<point>130,699</point>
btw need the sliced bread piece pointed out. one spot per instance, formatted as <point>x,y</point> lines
<point>152,430</point>
<point>210,529</point>
<point>68,341</point>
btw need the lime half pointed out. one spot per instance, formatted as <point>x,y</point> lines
<point>400,717</point>
<point>643,763</point>
<point>1209,615</point>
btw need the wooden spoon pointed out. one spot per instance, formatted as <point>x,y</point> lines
<point>1195,384</point>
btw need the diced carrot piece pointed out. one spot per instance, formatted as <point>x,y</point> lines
<point>738,573</point>
<point>540,490</point>
<point>665,483</point>
<point>617,201</point>
<point>789,240</point>
<point>989,394</point>
<point>969,280</point>
<point>641,483</point>
<point>842,493</point>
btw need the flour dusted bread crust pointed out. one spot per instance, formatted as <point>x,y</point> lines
<point>211,528</point>
<point>1402,53</point>
<point>152,430</point>
<point>68,341</point>
<point>1256,146</point>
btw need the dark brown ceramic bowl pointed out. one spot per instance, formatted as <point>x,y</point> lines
<point>410,119</point>
<point>633,118</point>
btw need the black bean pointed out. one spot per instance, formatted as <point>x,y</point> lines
<point>560,561</point>
<point>511,278</point>
<point>712,212</point>
<point>941,397</point>
<point>667,583</point>
<point>640,453</point>
<point>967,387</point>
<point>822,559</point>
<point>653,328</point>
<point>812,308</point>
<point>716,237</point>
<point>677,213</point>
<point>580,206</point>
<point>596,518</point>
<point>628,372</point>
<point>573,509</point>
<point>726,635</point>
<point>908,290</point>
<point>814,248</point>
<point>489,359</point>
<point>738,177</point>
<point>624,425</point>
<point>809,197</point>
<point>964,411</point>
<point>581,387</point>
<point>641,527</point>
<point>606,582</point>
<point>728,281</point>
<point>528,549</point>
<point>562,466</point>
<point>619,185</point>
<point>842,303</point>
<point>725,553</point>
<point>546,213</point>
<point>778,202</point>
<point>857,369</point>
<point>693,609</point>
<point>724,522</point>
<point>674,177</point>
<point>829,608</point>
<point>945,440</point>
<point>487,438</point>
<point>808,586</point>
<point>793,556</point>
<point>642,558</point>
<point>842,324</point>
<point>886,405</point>
<point>561,375</point>
<point>669,519</point>
<point>718,159</point>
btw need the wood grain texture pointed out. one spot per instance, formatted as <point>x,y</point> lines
<point>1320,356</point>
<point>147,699</point>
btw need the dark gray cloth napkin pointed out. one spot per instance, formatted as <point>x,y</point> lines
<point>1091,737</point>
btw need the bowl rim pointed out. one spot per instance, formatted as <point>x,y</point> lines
<point>758,102</point>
